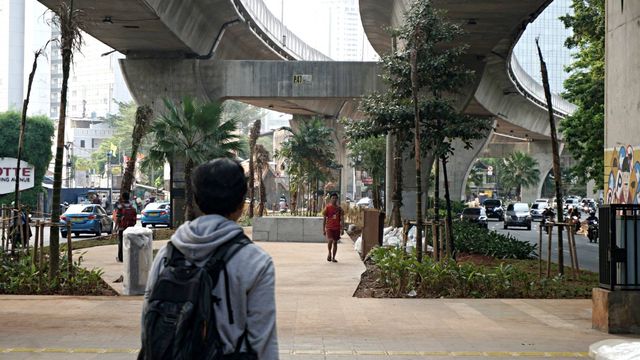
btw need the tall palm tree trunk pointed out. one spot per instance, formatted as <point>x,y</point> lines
<point>144,115</point>
<point>188,190</point>
<point>67,32</point>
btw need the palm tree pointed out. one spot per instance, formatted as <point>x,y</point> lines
<point>196,131</point>
<point>309,156</point>
<point>68,21</point>
<point>262,164</point>
<point>521,171</point>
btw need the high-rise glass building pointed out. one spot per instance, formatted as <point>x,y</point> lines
<point>552,34</point>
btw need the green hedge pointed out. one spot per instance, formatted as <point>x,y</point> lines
<point>472,239</point>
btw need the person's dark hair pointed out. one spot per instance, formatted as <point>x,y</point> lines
<point>333,194</point>
<point>219,186</point>
<point>125,196</point>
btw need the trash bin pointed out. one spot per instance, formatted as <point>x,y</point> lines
<point>138,257</point>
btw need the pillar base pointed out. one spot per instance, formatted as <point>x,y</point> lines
<point>616,312</point>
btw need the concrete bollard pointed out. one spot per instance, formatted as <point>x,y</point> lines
<point>138,257</point>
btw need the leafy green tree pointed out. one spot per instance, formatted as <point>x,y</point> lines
<point>367,154</point>
<point>422,78</point>
<point>521,171</point>
<point>197,132</point>
<point>37,150</point>
<point>309,157</point>
<point>583,131</point>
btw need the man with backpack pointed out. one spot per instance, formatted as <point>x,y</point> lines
<point>125,216</point>
<point>211,292</point>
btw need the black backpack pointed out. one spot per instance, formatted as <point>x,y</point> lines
<point>180,321</point>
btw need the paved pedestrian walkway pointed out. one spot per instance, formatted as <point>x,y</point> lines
<point>317,319</point>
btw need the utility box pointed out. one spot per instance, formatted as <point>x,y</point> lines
<point>138,258</point>
<point>372,231</point>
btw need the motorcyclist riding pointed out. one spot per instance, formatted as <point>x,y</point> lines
<point>593,231</point>
<point>547,215</point>
<point>575,218</point>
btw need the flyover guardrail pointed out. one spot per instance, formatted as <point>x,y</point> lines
<point>531,89</point>
<point>273,32</point>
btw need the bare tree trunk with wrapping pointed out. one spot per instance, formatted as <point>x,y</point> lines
<point>253,139</point>
<point>144,116</point>
<point>556,157</point>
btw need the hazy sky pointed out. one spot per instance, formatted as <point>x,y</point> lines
<point>309,19</point>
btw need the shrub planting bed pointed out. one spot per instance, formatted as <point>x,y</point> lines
<point>391,272</point>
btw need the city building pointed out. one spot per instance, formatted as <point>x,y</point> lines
<point>95,83</point>
<point>24,29</point>
<point>551,32</point>
<point>333,27</point>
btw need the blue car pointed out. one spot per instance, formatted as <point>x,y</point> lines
<point>157,213</point>
<point>86,219</point>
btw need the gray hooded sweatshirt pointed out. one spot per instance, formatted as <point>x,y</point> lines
<point>251,283</point>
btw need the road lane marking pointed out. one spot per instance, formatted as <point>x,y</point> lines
<point>312,352</point>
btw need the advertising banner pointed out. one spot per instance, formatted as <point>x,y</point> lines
<point>9,175</point>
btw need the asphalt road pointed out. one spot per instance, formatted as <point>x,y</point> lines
<point>587,252</point>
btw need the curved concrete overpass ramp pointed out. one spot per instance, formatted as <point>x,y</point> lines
<point>221,29</point>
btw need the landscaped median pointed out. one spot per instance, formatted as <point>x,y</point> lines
<point>21,275</point>
<point>488,265</point>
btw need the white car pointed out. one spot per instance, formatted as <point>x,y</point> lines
<point>365,202</point>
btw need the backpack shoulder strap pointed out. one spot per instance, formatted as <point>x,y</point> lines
<point>218,262</point>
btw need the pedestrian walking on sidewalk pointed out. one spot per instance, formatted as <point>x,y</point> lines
<point>211,291</point>
<point>125,216</point>
<point>332,226</point>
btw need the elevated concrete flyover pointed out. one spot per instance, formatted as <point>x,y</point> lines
<point>503,90</point>
<point>295,87</point>
<point>218,29</point>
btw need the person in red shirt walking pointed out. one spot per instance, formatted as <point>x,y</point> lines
<point>332,225</point>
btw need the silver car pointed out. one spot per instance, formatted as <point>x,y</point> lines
<point>517,215</point>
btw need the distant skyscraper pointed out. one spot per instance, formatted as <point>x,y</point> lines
<point>23,30</point>
<point>95,82</point>
<point>347,41</point>
<point>331,26</point>
<point>552,34</point>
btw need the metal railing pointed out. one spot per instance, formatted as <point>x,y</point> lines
<point>534,91</point>
<point>619,247</point>
<point>273,32</point>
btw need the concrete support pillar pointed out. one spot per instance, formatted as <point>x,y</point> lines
<point>459,166</point>
<point>540,150</point>
<point>150,82</point>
